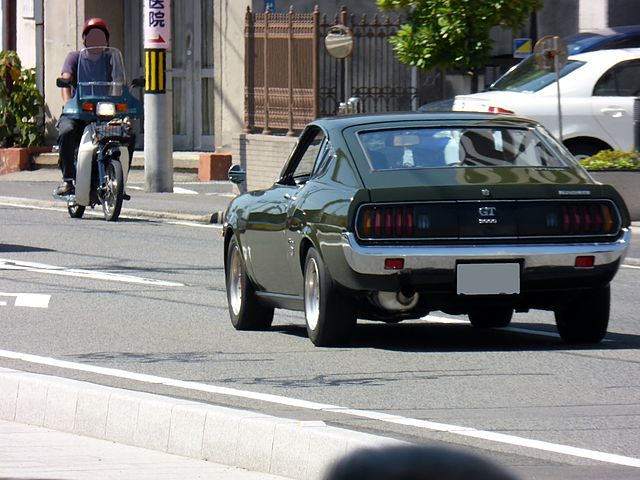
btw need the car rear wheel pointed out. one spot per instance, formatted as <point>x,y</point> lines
<point>329,316</point>
<point>585,318</point>
<point>245,309</point>
<point>491,317</point>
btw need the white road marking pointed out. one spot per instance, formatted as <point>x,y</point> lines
<point>33,300</point>
<point>636,267</point>
<point>184,191</point>
<point>382,417</point>
<point>3,304</point>
<point>193,224</point>
<point>76,272</point>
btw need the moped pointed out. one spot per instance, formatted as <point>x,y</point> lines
<point>102,100</point>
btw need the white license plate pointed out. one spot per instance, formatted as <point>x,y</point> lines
<point>488,278</point>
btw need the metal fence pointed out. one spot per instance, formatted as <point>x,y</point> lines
<point>296,80</point>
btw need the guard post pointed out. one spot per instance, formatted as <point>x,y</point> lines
<point>158,118</point>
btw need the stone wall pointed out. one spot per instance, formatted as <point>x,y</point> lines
<point>262,156</point>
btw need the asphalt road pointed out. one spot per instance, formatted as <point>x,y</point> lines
<point>148,297</point>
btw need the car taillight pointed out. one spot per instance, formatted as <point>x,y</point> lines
<point>380,222</point>
<point>493,109</point>
<point>588,218</point>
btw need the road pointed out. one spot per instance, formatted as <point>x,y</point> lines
<point>147,297</point>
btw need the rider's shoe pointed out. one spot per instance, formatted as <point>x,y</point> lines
<point>65,188</point>
<point>126,196</point>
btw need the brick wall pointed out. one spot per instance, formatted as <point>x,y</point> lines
<point>262,156</point>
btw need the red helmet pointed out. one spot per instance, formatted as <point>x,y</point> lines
<point>95,23</point>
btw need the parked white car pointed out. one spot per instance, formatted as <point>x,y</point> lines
<point>598,91</point>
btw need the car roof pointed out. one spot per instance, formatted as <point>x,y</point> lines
<point>452,118</point>
<point>614,55</point>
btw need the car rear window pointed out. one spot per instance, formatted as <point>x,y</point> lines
<point>528,77</point>
<point>430,147</point>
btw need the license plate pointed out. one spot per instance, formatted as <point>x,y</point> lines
<point>488,278</point>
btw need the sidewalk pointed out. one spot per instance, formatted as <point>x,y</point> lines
<point>58,428</point>
<point>40,453</point>
<point>191,200</point>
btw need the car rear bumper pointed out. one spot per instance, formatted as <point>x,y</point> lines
<point>369,260</point>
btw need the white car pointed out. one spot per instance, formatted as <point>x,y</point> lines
<point>598,91</point>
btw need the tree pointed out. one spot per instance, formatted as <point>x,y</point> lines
<point>453,33</point>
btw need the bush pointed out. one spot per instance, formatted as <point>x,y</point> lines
<point>20,104</point>
<point>612,160</point>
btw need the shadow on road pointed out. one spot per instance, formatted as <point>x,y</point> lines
<point>429,337</point>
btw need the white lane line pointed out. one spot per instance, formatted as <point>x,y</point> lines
<point>32,300</point>
<point>3,304</point>
<point>382,417</point>
<point>6,264</point>
<point>636,267</point>
<point>184,191</point>
<point>192,224</point>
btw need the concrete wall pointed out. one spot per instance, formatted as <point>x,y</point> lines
<point>26,33</point>
<point>262,156</point>
<point>228,46</point>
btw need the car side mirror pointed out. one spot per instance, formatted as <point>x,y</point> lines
<point>138,82</point>
<point>237,174</point>
<point>63,82</point>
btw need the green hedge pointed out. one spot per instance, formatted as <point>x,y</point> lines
<point>612,160</point>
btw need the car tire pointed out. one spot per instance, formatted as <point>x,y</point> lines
<point>584,149</point>
<point>585,318</point>
<point>491,317</point>
<point>245,309</point>
<point>330,316</point>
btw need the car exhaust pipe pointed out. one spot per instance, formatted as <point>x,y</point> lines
<point>396,301</point>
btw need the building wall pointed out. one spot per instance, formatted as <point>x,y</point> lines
<point>623,12</point>
<point>228,48</point>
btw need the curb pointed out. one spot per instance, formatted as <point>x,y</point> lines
<point>253,441</point>
<point>213,218</point>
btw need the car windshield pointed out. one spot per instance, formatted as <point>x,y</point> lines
<point>100,73</point>
<point>528,77</point>
<point>428,147</point>
<point>581,42</point>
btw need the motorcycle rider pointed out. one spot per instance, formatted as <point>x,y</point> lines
<point>95,33</point>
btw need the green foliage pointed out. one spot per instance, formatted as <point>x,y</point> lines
<point>612,160</point>
<point>20,103</point>
<point>453,33</point>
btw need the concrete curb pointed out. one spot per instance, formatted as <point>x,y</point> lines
<point>213,218</point>
<point>249,440</point>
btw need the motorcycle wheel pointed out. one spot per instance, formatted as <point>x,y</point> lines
<point>75,210</point>
<point>113,191</point>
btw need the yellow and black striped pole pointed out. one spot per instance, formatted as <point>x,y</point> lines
<point>155,70</point>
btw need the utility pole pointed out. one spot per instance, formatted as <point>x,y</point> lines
<point>158,120</point>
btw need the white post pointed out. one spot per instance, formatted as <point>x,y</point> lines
<point>158,119</point>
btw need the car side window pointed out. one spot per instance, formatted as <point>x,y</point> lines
<point>327,153</point>
<point>623,80</point>
<point>303,169</point>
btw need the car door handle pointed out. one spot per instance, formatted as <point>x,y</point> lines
<point>289,197</point>
<point>613,111</point>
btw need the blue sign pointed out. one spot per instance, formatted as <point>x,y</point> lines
<point>521,47</point>
<point>269,6</point>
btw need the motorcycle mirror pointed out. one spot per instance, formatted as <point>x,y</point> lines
<point>138,82</point>
<point>63,82</point>
<point>237,174</point>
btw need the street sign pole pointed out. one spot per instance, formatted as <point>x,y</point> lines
<point>557,67</point>
<point>158,121</point>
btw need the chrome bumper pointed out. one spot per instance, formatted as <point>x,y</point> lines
<point>369,260</point>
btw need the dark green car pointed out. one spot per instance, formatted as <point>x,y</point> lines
<point>390,217</point>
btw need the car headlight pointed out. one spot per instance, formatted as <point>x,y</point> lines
<point>106,109</point>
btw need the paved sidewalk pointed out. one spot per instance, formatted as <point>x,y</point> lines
<point>191,199</point>
<point>40,453</point>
